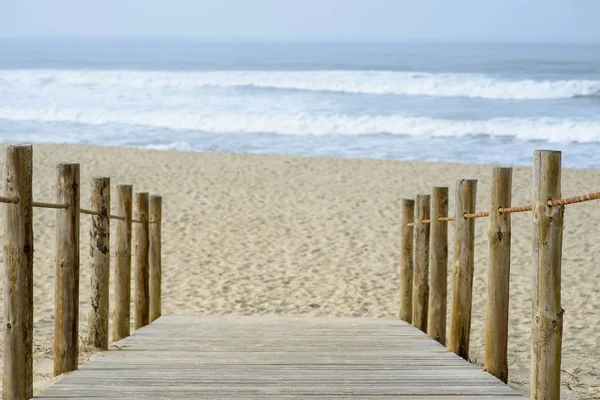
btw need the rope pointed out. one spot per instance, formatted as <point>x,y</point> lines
<point>137,221</point>
<point>573,200</point>
<point>49,205</point>
<point>90,212</point>
<point>508,210</point>
<point>10,200</point>
<point>425,221</point>
<point>477,215</point>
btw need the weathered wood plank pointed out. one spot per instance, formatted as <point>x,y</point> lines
<point>278,358</point>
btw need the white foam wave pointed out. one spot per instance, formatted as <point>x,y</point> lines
<point>361,82</point>
<point>304,124</point>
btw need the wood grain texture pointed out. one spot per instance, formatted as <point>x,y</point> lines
<point>547,312</point>
<point>17,381</point>
<point>438,266</point>
<point>463,268</point>
<point>496,316</point>
<point>179,357</point>
<point>155,257</point>
<point>100,255</point>
<point>142,290</point>
<point>66,320</point>
<point>122,279</point>
<point>421,269</point>
<point>406,259</point>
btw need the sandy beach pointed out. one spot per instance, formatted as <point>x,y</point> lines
<point>253,235</point>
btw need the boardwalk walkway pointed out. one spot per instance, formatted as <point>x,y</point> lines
<point>278,358</point>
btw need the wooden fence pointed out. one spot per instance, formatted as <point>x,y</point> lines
<point>18,257</point>
<point>424,264</point>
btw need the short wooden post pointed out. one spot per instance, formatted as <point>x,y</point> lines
<point>142,295</point>
<point>100,254</point>
<point>463,268</point>
<point>155,257</point>
<point>406,260</point>
<point>66,317</point>
<point>421,272</point>
<point>122,308</point>
<point>438,265</point>
<point>496,317</point>
<point>17,356</point>
<point>547,312</point>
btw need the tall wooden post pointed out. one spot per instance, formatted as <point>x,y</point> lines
<point>100,254</point>
<point>142,295</point>
<point>17,356</point>
<point>155,257</point>
<point>421,272</point>
<point>438,265</point>
<point>122,308</point>
<point>406,259</point>
<point>66,318</point>
<point>496,317</point>
<point>547,312</point>
<point>463,268</point>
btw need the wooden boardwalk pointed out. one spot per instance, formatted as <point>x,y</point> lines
<point>278,358</point>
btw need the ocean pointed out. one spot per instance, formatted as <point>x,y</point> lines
<point>474,103</point>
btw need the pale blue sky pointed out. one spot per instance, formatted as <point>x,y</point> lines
<point>431,20</point>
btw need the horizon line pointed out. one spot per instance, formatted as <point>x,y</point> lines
<point>300,40</point>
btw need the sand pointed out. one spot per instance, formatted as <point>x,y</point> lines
<point>254,235</point>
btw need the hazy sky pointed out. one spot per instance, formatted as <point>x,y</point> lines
<point>434,20</point>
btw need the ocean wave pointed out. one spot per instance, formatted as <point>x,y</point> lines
<point>357,82</point>
<point>305,124</point>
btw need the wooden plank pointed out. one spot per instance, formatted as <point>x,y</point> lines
<point>278,358</point>
<point>122,310</point>
<point>438,266</point>
<point>66,294</point>
<point>17,380</point>
<point>100,255</point>
<point>546,310</point>
<point>496,314</point>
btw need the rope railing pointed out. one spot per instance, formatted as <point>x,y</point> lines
<point>90,212</point>
<point>547,314</point>
<point>9,200</point>
<point>509,210</point>
<point>574,200</point>
<point>481,214</point>
<point>41,204</point>
<point>18,257</point>
<point>518,209</point>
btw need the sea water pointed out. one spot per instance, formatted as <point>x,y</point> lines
<point>483,103</point>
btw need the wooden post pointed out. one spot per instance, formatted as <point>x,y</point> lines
<point>438,266</point>
<point>142,295</point>
<point>547,312</point>
<point>496,316</point>
<point>122,311</point>
<point>17,355</point>
<point>100,253</point>
<point>421,272</point>
<point>66,317</point>
<point>462,270</point>
<point>155,257</point>
<point>406,260</point>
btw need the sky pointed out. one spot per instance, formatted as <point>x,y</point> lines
<point>410,20</point>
